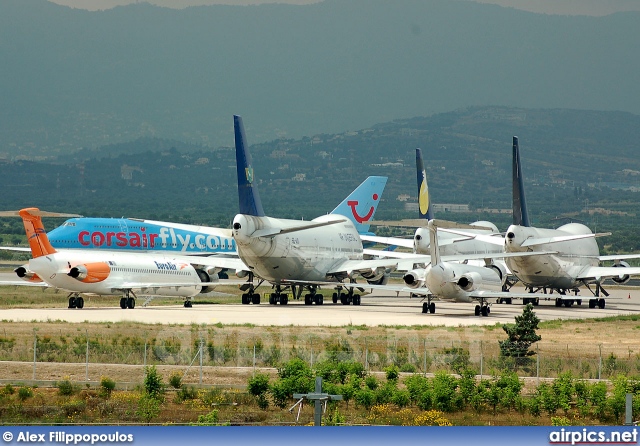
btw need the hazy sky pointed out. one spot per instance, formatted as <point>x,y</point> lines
<point>565,7</point>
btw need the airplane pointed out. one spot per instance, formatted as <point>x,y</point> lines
<point>295,254</point>
<point>451,244</point>
<point>458,282</point>
<point>139,235</point>
<point>577,258</point>
<point>108,273</point>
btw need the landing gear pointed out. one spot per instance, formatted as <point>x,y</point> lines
<point>597,301</point>
<point>188,304</point>
<point>482,309</point>
<point>127,301</point>
<point>600,303</point>
<point>428,307</point>
<point>76,301</point>
<point>251,298</point>
<point>347,298</point>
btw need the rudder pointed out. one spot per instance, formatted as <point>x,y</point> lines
<point>248,197</point>
<point>36,235</point>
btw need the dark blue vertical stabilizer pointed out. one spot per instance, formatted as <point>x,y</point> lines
<point>249,199</point>
<point>520,213</point>
<point>424,202</point>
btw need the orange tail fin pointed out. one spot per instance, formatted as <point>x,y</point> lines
<point>37,237</point>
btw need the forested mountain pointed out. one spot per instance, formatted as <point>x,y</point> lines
<point>574,162</point>
<point>74,78</point>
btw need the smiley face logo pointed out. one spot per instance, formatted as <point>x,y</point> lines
<point>360,219</point>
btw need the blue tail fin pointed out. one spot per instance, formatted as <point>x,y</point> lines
<point>360,206</point>
<point>520,213</point>
<point>249,199</point>
<point>424,204</point>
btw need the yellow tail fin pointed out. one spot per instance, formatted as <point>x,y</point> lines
<point>36,236</point>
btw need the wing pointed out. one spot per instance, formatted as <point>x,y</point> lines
<point>607,272</point>
<point>361,266</point>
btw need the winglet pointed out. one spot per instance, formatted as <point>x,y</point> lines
<point>424,204</point>
<point>361,204</point>
<point>520,213</point>
<point>37,237</point>
<point>249,199</point>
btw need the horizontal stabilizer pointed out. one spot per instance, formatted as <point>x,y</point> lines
<point>607,272</point>
<point>38,213</point>
<point>562,238</point>
<point>272,232</point>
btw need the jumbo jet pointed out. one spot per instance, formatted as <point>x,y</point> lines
<point>291,253</point>
<point>106,273</point>
<point>135,235</point>
<point>577,257</point>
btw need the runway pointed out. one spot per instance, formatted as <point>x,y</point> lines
<point>377,309</point>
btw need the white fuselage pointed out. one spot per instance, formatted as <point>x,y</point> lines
<point>443,279</point>
<point>447,247</point>
<point>305,255</point>
<point>123,270</point>
<point>554,270</point>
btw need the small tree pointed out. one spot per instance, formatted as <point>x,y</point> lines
<point>153,385</point>
<point>521,334</point>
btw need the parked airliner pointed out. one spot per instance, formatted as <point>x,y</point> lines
<point>576,261</point>
<point>108,273</point>
<point>292,253</point>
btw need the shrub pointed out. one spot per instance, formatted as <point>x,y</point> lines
<point>24,393</point>
<point>106,386</point>
<point>371,382</point>
<point>392,372</point>
<point>186,393</point>
<point>65,387</point>
<point>9,390</point>
<point>153,385</point>
<point>175,380</point>
<point>148,408</point>
<point>210,419</point>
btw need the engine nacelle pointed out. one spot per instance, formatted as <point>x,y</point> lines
<point>25,274</point>
<point>242,273</point>
<point>210,275</point>
<point>624,279</point>
<point>500,270</point>
<point>380,276</point>
<point>90,272</point>
<point>470,281</point>
<point>415,278</point>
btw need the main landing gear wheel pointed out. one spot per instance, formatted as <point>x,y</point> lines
<point>188,304</point>
<point>131,303</point>
<point>482,310</point>
<point>72,302</point>
<point>79,302</point>
<point>334,298</point>
<point>428,307</point>
<point>251,298</point>
<point>123,303</point>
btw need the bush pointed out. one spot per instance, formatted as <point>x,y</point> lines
<point>65,387</point>
<point>186,393</point>
<point>392,372</point>
<point>153,385</point>
<point>175,380</point>
<point>9,390</point>
<point>106,386</point>
<point>148,408</point>
<point>258,384</point>
<point>371,382</point>
<point>24,393</point>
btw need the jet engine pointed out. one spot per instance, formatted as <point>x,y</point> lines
<point>415,278</point>
<point>90,272</point>
<point>25,274</point>
<point>500,270</point>
<point>624,279</point>
<point>210,275</point>
<point>469,281</point>
<point>377,276</point>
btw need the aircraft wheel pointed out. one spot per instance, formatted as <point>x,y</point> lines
<point>334,298</point>
<point>344,300</point>
<point>593,303</point>
<point>284,299</point>
<point>356,299</point>
<point>425,307</point>
<point>255,299</point>
<point>567,303</point>
<point>536,301</point>
<point>579,301</point>
<point>558,302</point>
<point>484,311</point>
<point>308,299</point>
<point>123,303</point>
<point>601,304</point>
<point>319,299</point>
<point>131,303</point>
<point>508,300</point>
<point>432,307</point>
<point>477,310</point>
<point>72,302</point>
<point>79,302</point>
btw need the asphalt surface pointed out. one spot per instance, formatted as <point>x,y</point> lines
<point>379,308</point>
